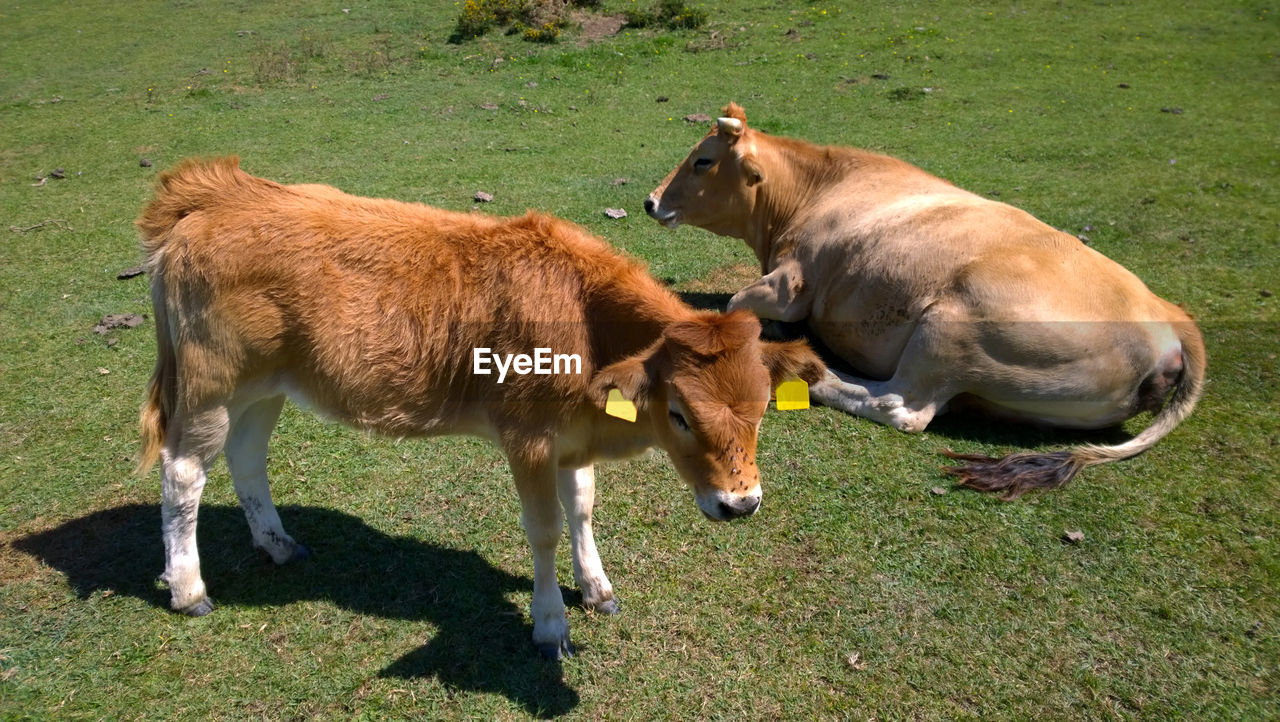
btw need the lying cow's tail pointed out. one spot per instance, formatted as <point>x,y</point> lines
<point>1018,473</point>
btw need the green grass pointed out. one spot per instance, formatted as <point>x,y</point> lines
<point>856,592</point>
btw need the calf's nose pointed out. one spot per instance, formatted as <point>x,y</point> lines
<point>745,506</point>
<point>649,205</point>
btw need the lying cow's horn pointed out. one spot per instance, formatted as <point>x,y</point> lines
<point>729,126</point>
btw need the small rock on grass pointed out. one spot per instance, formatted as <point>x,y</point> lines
<point>117,320</point>
<point>937,491</point>
<point>482,197</point>
<point>615,213</point>
<point>131,272</point>
<point>1073,536</point>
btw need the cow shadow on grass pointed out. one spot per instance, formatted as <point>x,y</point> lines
<point>704,301</point>
<point>481,640</point>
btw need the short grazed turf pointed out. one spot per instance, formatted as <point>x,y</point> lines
<point>857,592</point>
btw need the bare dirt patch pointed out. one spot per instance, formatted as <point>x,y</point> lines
<point>596,27</point>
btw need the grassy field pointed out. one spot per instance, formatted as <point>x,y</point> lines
<point>857,592</point>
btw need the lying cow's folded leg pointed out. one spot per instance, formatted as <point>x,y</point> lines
<point>884,402</point>
<point>246,455</point>
<point>577,495</point>
<point>535,477</point>
<point>780,296</point>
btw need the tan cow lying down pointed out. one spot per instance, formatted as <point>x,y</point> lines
<point>934,295</point>
<point>371,311</point>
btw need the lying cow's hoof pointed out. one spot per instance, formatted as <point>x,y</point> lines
<point>554,651</point>
<point>608,606</point>
<point>199,609</point>
<point>300,553</point>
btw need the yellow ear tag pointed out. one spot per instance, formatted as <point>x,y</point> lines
<point>618,405</point>
<point>793,395</point>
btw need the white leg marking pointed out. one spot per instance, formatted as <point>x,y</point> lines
<point>182,481</point>
<point>182,478</point>
<point>880,401</point>
<point>577,489</point>
<point>246,455</point>
<point>543,524</point>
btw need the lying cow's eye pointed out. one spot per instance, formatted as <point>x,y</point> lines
<point>702,164</point>
<point>678,421</point>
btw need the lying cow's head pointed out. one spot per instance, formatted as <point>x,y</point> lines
<point>703,387</point>
<point>713,188</point>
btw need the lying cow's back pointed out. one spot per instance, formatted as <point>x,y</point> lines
<point>916,240</point>
<point>268,262</point>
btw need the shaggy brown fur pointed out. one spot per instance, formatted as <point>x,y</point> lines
<point>369,310</point>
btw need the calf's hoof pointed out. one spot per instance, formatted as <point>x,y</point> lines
<point>555,650</point>
<point>608,606</point>
<point>198,609</point>
<point>296,554</point>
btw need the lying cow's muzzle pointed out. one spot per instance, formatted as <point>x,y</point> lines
<point>655,211</point>
<point>722,506</point>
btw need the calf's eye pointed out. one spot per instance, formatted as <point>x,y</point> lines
<point>678,421</point>
<point>702,164</point>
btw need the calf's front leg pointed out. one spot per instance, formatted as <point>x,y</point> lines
<point>577,495</point>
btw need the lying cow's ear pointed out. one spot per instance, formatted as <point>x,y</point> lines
<point>792,359</point>
<point>751,169</point>
<point>629,376</point>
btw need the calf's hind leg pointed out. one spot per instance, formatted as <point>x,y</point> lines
<point>191,444</point>
<point>246,454</point>
<point>535,477</point>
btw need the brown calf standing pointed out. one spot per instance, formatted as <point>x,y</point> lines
<point>381,314</point>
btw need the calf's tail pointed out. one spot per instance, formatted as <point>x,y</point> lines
<point>162,389</point>
<point>179,192</point>
<point>1015,474</point>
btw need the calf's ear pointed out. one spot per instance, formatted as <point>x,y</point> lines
<point>791,359</point>
<point>630,376</point>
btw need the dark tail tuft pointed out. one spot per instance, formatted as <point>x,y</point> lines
<point>1015,474</point>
